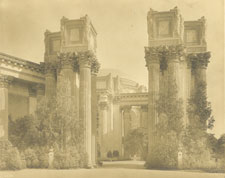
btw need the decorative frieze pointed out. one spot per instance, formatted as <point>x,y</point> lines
<point>198,60</point>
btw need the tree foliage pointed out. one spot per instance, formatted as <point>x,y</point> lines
<point>135,142</point>
<point>55,124</point>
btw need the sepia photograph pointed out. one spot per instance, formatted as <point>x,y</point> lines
<point>112,89</point>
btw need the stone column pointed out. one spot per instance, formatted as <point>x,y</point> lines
<point>50,79</point>
<point>144,116</point>
<point>66,92</point>
<point>4,83</point>
<point>188,88</point>
<point>126,125</point>
<point>94,109</point>
<point>122,132</point>
<point>103,126</point>
<point>199,63</point>
<point>85,61</point>
<point>32,100</point>
<point>127,119</point>
<point>202,60</point>
<point>173,74</point>
<point>153,65</point>
<point>40,88</point>
<point>65,82</point>
<point>104,117</point>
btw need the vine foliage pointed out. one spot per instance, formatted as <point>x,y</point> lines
<point>168,130</point>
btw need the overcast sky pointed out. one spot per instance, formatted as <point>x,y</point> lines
<point>122,34</point>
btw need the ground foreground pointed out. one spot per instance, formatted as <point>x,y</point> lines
<point>132,169</point>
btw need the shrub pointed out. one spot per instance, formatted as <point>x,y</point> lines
<point>115,153</point>
<point>83,160</point>
<point>31,158</point>
<point>36,157</point>
<point>109,154</point>
<point>69,158</point>
<point>42,155</point>
<point>10,158</point>
<point>163,155</point>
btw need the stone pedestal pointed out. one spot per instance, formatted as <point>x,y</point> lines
<point>4,82</point>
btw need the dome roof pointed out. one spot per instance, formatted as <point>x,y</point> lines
<point>114,73</point>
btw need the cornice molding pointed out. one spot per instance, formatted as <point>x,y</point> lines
<point>14,61</point>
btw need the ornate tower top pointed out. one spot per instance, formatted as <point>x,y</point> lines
<point>75,35</point>
<point>194,35</point>
<point>165,28</point>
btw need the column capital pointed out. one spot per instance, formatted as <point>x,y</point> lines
<point>86,58</point>
<point>67,60</point>
<point>155,54</point>
<point>199,60</point>
<point>5,81</point>
<point>151,55</point>
<point>174,52</point>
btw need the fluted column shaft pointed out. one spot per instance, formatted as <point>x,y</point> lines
<point>85,102</point>
<point>153,90</point>
<point>93,116</point>
<point>103,127</point>
<point>173,75</point>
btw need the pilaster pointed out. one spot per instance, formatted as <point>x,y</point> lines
<point>32,100</point>
<point>4,83</point>
<point>50,79</point>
